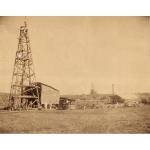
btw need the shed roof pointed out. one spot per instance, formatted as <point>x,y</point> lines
<point>47,86</point>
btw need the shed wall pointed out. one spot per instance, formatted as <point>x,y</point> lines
<point>49,95</point>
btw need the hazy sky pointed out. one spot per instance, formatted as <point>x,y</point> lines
<point>71,53</point>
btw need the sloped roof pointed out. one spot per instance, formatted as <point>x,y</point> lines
<point>47,86</point>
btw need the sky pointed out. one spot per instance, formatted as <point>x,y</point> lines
<point>73,53</point>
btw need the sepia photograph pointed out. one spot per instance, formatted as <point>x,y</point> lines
<point>74,74</point>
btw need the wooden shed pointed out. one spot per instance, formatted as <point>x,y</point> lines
<point>48,95</point>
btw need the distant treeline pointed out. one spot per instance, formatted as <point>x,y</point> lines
<point>105,98</point>
<point>4,99</point>
<point>144,97</point>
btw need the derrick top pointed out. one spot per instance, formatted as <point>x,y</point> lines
<point>25,23</point>
<point>24,27</point>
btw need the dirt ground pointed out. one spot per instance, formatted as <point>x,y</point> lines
<point>108,120</point>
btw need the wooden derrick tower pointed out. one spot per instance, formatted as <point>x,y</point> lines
<point>24,92</point>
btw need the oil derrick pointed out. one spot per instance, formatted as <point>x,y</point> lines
<point>113,89</point>
<point>93,92</point>
<point>24,92</point>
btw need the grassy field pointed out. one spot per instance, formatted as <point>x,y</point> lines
<point>110,120</point>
